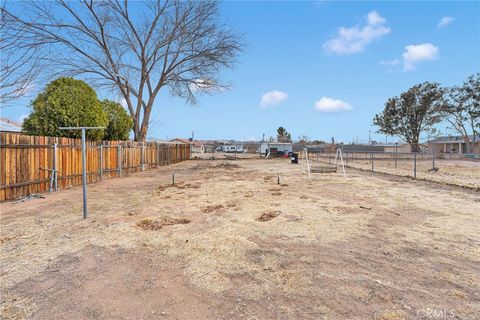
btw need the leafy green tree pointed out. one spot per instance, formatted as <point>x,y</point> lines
<point>66,102</point>
<point>283,135</point>
<point>119,122</point>
<point>411,114</point>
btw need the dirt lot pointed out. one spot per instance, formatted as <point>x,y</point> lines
<point>229,242</point>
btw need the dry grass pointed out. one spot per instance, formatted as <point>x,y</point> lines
<point>338,250</point>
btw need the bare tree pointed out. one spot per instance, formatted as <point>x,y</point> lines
<point>461,109</point>
<point>136,48</point>
<point>21,58</point>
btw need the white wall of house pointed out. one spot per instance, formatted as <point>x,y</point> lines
<point>284,147</point>
<point>232,148</point>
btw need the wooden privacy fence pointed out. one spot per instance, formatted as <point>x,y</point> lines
<point>28,162</point>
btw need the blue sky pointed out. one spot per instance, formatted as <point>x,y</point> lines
<point>316,80</point>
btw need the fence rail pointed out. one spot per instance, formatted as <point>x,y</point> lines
<point>28,163</point>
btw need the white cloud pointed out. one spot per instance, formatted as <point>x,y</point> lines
<point>374,18</point>
<point>355,39</point>
<point>417,53</point>
<point>272,98</point>
<point>444,21</point>
<point>326,104</point>
<point>391,63</point>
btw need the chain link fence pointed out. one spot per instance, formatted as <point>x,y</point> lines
<point>454,169</point>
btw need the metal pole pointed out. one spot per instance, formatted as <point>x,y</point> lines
<point>415,165</point>
<point>84,164</point>
<point>101,161</point>
<point>84,176</point>
<point>173,179</point>
<point>119,160</point>
<point>371,158</point>
<point>142,156</point>
<point>396,154</point>
<point>433,157</point>
<point>54,172</point>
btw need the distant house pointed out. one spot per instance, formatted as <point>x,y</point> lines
<point>233,148</point>
<point>276,147</point>
<point>455,144</point>
<point>7,125</point>
<point>195,146</point>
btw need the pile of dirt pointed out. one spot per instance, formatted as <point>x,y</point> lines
<point>212,208</point>
<point>268,215</point>
<point>154,225</point>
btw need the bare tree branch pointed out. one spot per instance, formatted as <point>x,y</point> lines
<point>136,48</point>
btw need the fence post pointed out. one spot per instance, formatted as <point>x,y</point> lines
<point>415,165</point>
<point>371,159</point>
<point>101,161</point>
<point>54,172</point>
<point>119,160</point>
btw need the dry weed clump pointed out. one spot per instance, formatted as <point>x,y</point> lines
<point>212,208</point>
<point>177,186</point>
<point>154,225</point>
<point>268,215</point>
<point>227,166</point>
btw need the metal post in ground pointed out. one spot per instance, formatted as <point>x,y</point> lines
<point>100,147</point>
<point>142,154</point>
<point>84,164</point>
<point>119,160</point>
<point>433,158</point>
<point>396,153</point>
<point>173,179</point>
<point>371,159</point>
<point>54,171</point>
<point>415,165</point>
<point>84,176</point>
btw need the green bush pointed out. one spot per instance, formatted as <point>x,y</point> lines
<point>119,122</point>
<point>66,102</point>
